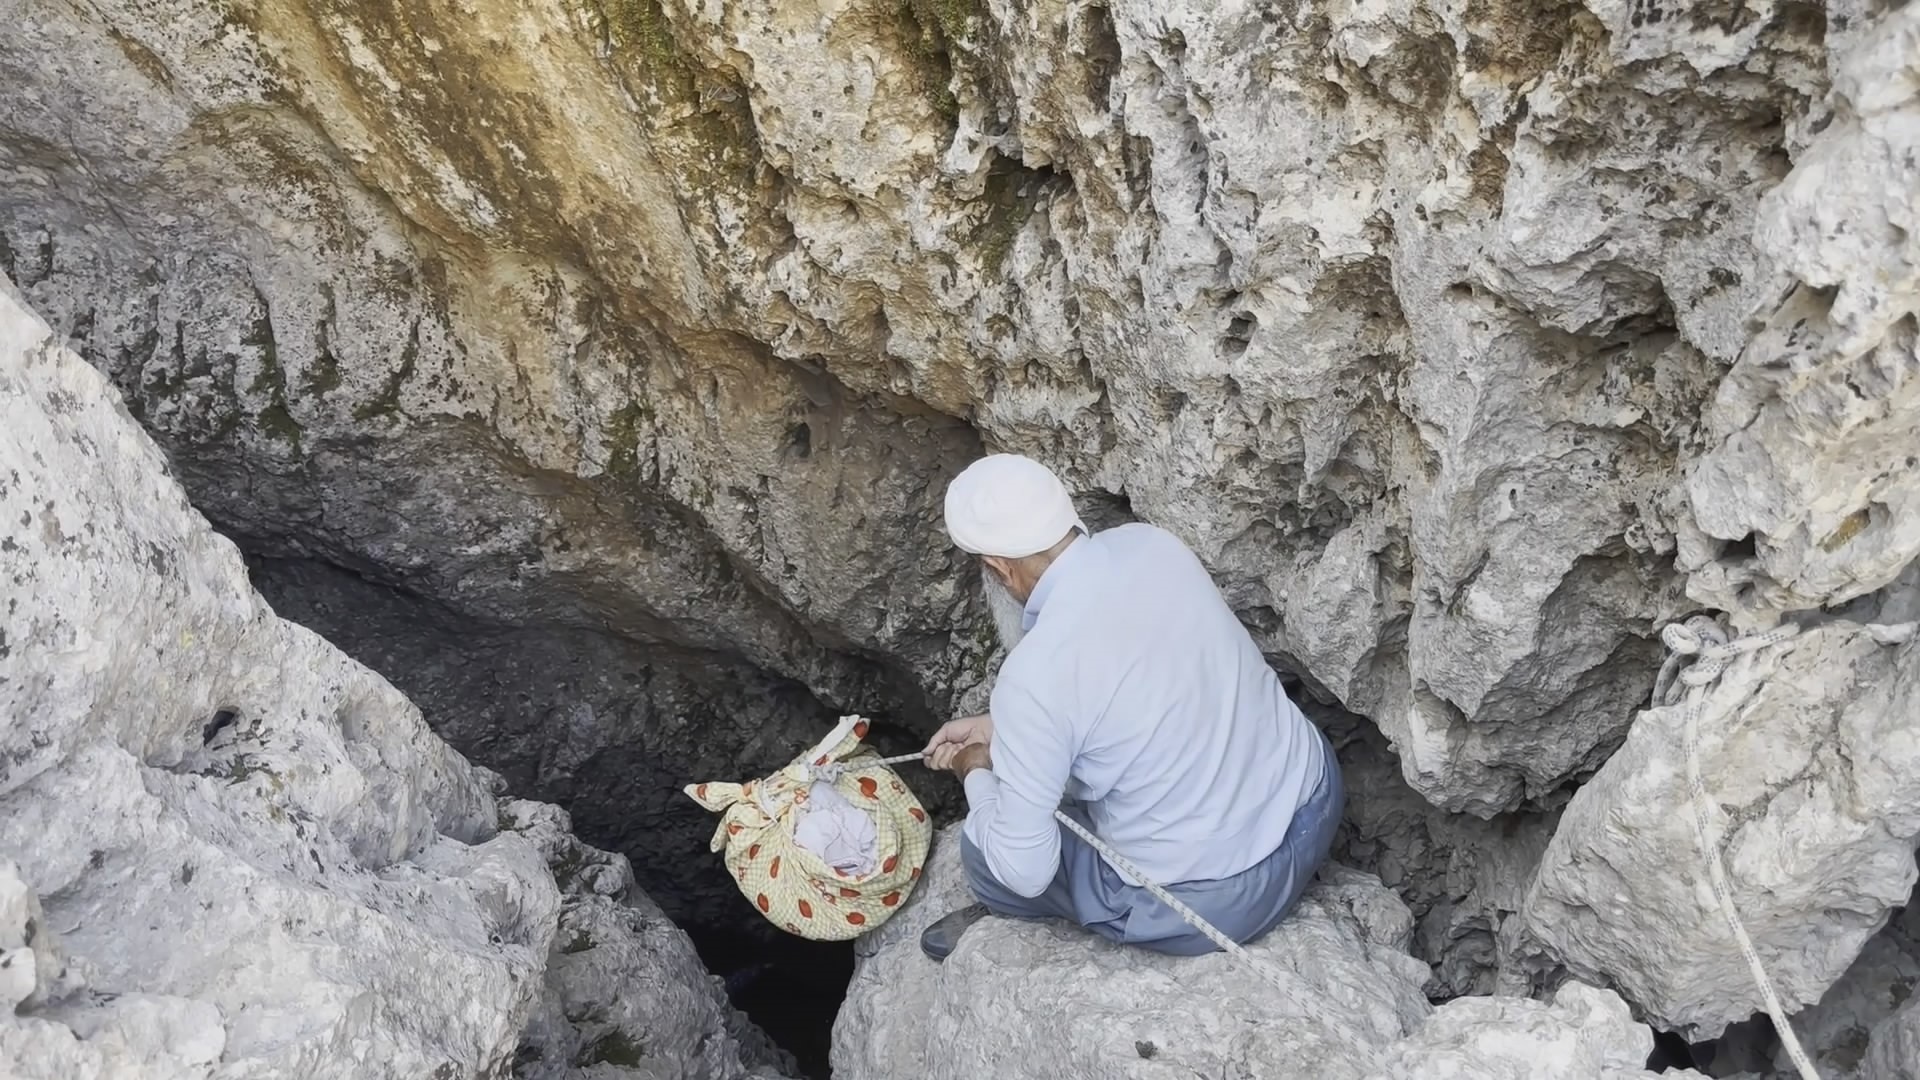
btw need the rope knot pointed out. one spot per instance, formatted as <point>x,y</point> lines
<point>1692,637</point>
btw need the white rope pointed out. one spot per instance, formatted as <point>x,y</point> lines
<point>1120,862</point>
<point>1702,638</point>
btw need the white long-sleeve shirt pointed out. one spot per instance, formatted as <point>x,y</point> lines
<point>1137,692</point>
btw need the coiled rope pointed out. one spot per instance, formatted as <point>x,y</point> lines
<point>1702,639</point>
<point>1121,863</point>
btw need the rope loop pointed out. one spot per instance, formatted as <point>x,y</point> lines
<point>1707,643</point>
<point>1691,637</point>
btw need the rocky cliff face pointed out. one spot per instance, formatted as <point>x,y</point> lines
<point>228,850</point>
<point>1468,341</point>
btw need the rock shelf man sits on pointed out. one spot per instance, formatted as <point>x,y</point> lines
<point>1132,694</point>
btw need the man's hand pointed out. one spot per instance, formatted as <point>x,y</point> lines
<point>955,736</point>
<point>968,758</point>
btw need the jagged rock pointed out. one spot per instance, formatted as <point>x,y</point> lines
<point>1893,1051</point>
<point>1350,1006</point>
<point>1814,428</point>
<point>1466,343</point>
<point>249,852</point>
<point>668,320</point>
<point>1857,1029</point>
<point>1114,1011</point>
<point>625,994</point>
<point>1464,878</point>
<point>1809,754</point>
<point>1863,1025</point>
<point>1584,1033</point>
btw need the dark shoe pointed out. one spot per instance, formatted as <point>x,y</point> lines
<point>939,939</point>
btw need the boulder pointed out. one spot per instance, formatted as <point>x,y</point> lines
<point>626,997</point>
<point>1042,999</point>
<point>224,846</point>
<point>1583,1032</point>
<point>1863,1026</point>
<point>1811,757</point>
<point>1893,1049</point>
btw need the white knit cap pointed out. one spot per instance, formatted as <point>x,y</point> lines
<point>1010,506</point>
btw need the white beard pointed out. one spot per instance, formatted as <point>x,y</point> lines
<point>1007,612</point>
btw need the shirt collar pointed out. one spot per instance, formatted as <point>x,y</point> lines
<point>1062,567</point>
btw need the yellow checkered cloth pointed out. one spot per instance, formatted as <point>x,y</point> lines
<point>790,885</point>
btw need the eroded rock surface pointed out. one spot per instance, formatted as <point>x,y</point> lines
<point>1465,878</point>
<point>1112,1011</point>
<point>1431,327</point>
<point>227,848</point>
<point>1349,1005</point>
<point>1468,344</point>
<point>1810,755</point>
<point>626,996</point>
<point>1861,1029</point>
<point>1584,1032</point>
<point>1893,1052</point>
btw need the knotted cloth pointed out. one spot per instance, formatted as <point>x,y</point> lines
<point>791,886</point>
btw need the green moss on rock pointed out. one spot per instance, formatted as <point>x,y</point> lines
<point>275,420</point>
<point>1008,209</point>
<point>277,423</point>
<point>955,18</point>
<point>641,26</point>
<point>933,30</point>
<point>324,376</point>
<point>623,441</point>
<point>387,401</point>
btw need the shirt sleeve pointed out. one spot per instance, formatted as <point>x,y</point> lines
<point>1010,806</point>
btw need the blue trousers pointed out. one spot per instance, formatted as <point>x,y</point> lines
<point>1091,893</point>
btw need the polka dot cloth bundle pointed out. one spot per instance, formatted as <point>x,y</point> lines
<point>792,886</point>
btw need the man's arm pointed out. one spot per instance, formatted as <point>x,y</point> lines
<point>1011,800</point>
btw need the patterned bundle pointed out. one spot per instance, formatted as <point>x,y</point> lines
<point>792,886</point>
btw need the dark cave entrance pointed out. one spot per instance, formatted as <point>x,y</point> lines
<point>789,986</point>
<point>611,731</point>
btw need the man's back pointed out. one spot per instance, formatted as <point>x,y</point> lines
<point>1183,744</point>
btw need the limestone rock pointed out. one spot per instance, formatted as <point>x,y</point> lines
<point>626,997</point>
<point>1893,1051</point>
<point>1464,878</point>
<point>1112,1011</point>
<point>1584,1033</point>
<point>1859,1027</point>
<point>1466,343</point>
<point>1351,1006</point>
<point>1809,753</point>
<point>669,320</point>
<point>1815,425</point>
<point>249,852</point>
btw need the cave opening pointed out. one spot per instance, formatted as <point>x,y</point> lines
<point>611,731</point>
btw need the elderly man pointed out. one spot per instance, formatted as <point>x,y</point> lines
<point>1132,692</point>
